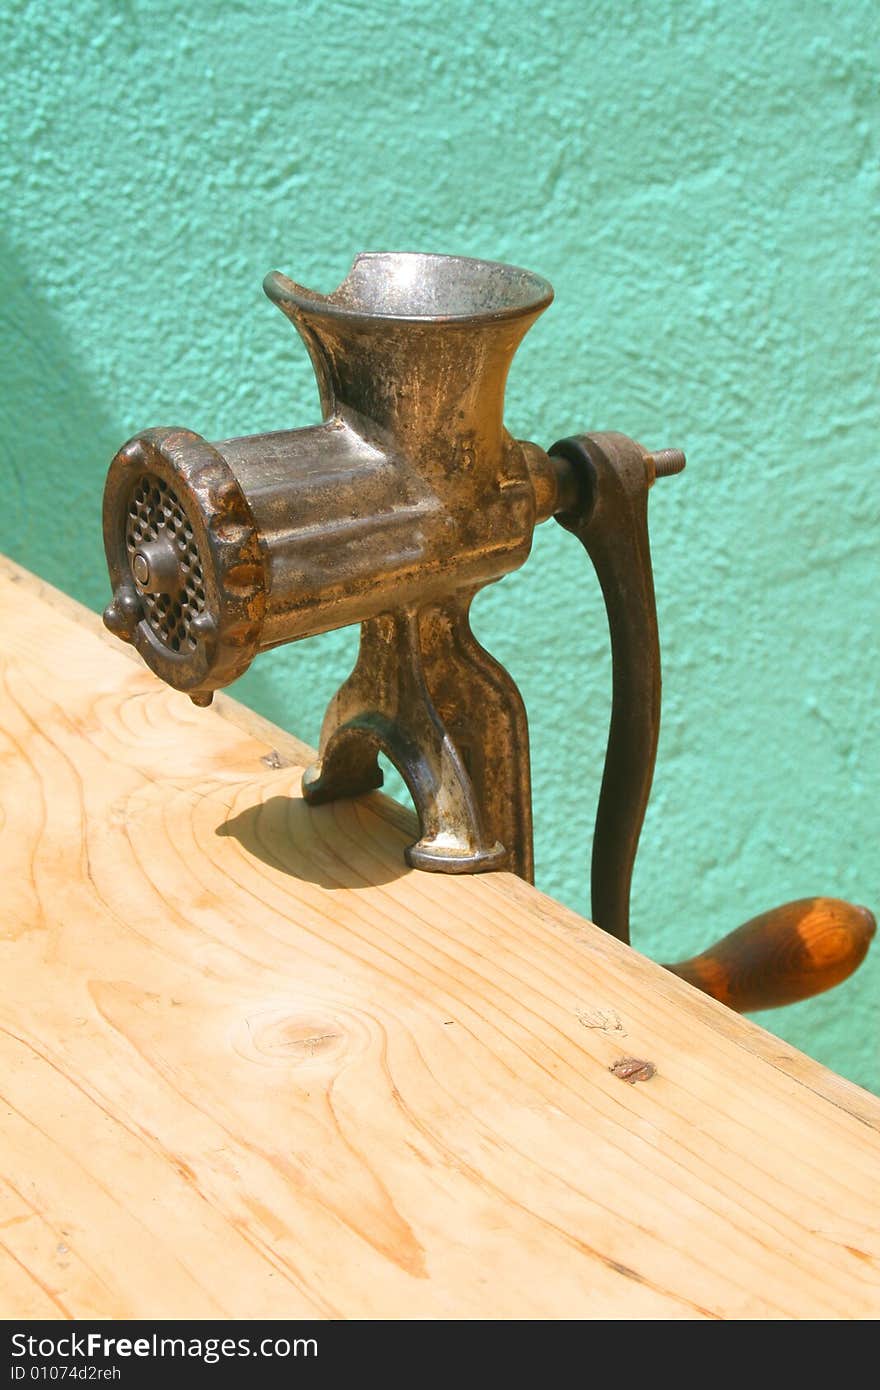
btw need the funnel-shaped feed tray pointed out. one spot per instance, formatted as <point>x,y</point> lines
<point>418,347</point>
<point>410,286</point>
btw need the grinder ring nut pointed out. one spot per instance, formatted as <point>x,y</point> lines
<point>185,561</point>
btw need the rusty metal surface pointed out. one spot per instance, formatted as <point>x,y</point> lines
<point>185,561</point>
<point>452,721</point>
<point>610,519</point>
<point>393,512</point>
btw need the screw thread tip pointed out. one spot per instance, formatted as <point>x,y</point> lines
<point>667,462</point>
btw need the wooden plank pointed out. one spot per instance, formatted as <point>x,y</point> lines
<point>252,1066</point>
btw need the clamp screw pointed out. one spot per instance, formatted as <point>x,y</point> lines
<point>663,463</point>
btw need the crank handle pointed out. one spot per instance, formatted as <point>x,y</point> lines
<point>782,956</point>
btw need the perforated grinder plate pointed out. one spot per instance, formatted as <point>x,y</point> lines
<point>155,513</point>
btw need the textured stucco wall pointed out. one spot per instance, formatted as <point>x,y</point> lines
<point>698,180</point>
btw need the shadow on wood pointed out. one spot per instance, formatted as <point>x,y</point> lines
<point>282,832</point>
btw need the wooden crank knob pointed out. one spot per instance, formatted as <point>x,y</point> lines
<point>784,955</point>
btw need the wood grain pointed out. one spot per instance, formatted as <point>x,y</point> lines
<point>253,1067</point>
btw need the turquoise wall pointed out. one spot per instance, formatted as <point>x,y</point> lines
<point>700,183</point>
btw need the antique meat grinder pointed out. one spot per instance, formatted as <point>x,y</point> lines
<point>393,513</point>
